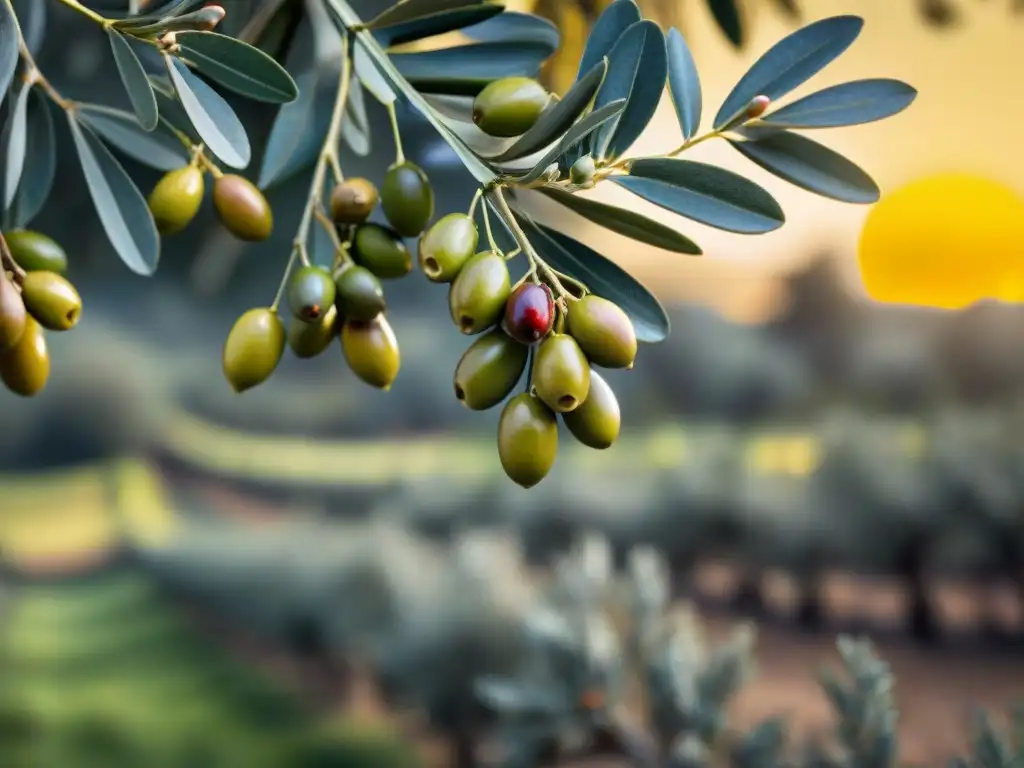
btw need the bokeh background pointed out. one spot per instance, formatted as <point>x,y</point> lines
<point>196,570</point>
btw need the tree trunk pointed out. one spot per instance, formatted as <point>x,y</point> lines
<point>463,749</point>
<point>749,596</point>
<point>912,562</point>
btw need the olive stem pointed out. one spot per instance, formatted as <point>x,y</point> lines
<point>8,263</point>
<point>284,279</point>
<point>332,232</point>
<point>476,201</point>
<point>624,163</point>
<point>33,75</point>
<point>399,151</point>
<point>487,229</point>
<point>537,264</point>
<point>328,151</point>
<point>88,13</point>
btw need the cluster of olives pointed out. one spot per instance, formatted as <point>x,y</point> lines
<point>568,336</point>
<point>346,301</point>
<point>34,298</point>
<point>238,203</point>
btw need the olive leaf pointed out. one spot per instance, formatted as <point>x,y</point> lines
<point>684,83</point>
<point>211,116</point>
<point>171,111</point>
<point>135,81</point>
<point>483,61</point>
<point>604,277</point>
<point>410,10</point>
<point>808,165</point>
<point>120,206</point>
<point>159,148</point>
<point>165,12</point>
<point>273,26</point>
<point>852,103</point>
<point>726,14</point>
<point>436,24</point>
<point>617,17</point>
<point>515,26</point>
<point>791,62</point>
<point>15,137</point>
<point>557,119</point>
<point>237,66</point>
<point>704,193</point>
<point>370,76</point>
<point>573,136</point>
<point>624,222</point>
<point>40,161</point>
<point>8,47</point>
<point>355,130</point>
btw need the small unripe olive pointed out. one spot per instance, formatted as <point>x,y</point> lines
<point>561,375</point>
<point>25,367</point>
<point>34,251</point>
<point>359,293</point>
<point>310,339</point>
<point>381,250</point>
<point>371,351</point>
<point>242,208</point>
<point>527,440</point>
<point>253,348</point>
<point>176,198</point>
<point>476,298</point>
<point>596,423</point>
<point>310,292</point>
<point>51,300</point>
<point>447,246</point>
<point>603,331</point>
<point>489,369</point>
<point>12,313</point>
<point>353,201</point>
<point>407,198</point>
<point>530,313</point>
<point>582,171</point>
<point>510,106</point>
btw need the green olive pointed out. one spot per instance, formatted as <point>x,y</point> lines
<point>477,297</point>
<point>603,331</point>
<point>176,198</point>
<point>12,313</point>
<point>310,339</point>
<point>596,423</point>
<point>359,295</point>
<point>527,440</point>
<point>381,250</point>
<point>561,375</point>
<point>353,201</point>
<point>447,246</point>
<point>371,351</point>
<point>407,198</point>
<point>242,208</point>
<point>25,367</point>
<point>582,171</point>
<point>253,348</point>
<point>310,292</point>
<point>510,106</point>
<point>489,369</point>
<point>51,300</point>
<point>34,251</point>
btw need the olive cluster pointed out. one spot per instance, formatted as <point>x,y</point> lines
<point>567,335</point>
<point>347,300</point>
<point>35,297</point>
<point>238,203</point>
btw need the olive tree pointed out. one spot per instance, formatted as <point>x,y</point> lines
<point>538,304</point>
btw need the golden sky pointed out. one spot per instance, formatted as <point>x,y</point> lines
<point>966,118</point>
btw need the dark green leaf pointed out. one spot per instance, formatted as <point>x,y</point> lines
<point>32,17</point>
<point>120,206</point>
<point>684,83</point>
<point>704,193</point>
<point>169,10</point>
<point>14,145</point>
<point>237,66</point>
<point>133,76</point>
<point>212,117</point>
<point>371,77</point>
<point>602,276</point>
<point>512,25</point>
<point>8,47</point>
<point>40,161</point>
<point>791,62</point>
<point>410,10</point>
<point>437,24</point>
<point>640,79</point>
<point>574,135</point>
<point>853,103</point>
<point>789,7</point>
<point>726,14</point>
<point>477,60</point>
<point>159,149</point>
<point>171,111</point>
<point>557,119</point>
<point>450,86</point>
<point>808,165</point>
<point>273,27</point>
<point>624,222</point>
<point>615,19</point>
